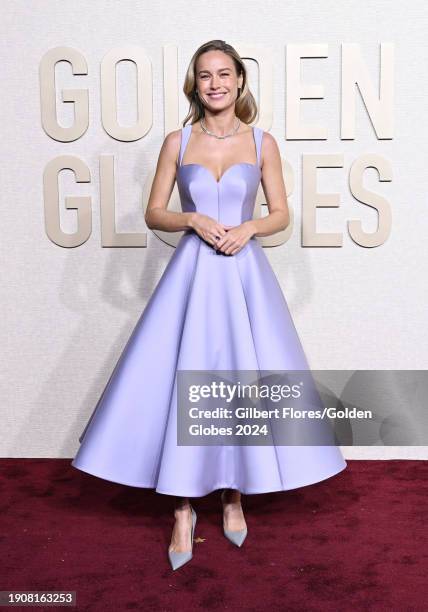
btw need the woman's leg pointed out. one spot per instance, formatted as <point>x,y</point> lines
<point>233,514</point>
<point>181,533</point>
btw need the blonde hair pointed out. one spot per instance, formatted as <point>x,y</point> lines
<point>245,105</point>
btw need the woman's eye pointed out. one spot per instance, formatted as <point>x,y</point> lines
<point>224,74</point>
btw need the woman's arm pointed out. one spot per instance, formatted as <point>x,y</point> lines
<point>157,216</point>
<point>274,189</point>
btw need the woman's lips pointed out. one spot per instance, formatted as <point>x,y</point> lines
<point>216,96</point>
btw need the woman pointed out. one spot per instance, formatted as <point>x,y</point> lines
<point>206,313</point>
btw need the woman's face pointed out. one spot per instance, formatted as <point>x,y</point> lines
<point>216,80</point>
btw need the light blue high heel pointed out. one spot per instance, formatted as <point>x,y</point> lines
<point>236,537</point>
<point>177,559</point>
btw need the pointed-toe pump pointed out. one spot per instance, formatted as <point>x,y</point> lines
<point>177,559</point>
<point>236,537</point>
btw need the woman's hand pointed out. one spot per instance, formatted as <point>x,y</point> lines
<point>208,228</point>
<point>235,238</point>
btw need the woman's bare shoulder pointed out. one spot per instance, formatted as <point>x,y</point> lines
<point>268,139</point>
<point>269,149</point>
<point>171,144</point>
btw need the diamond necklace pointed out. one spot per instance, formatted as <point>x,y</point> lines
<point>215,135</point>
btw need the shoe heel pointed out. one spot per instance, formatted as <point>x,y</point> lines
<point>177,559</point>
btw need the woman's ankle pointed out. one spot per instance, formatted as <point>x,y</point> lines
<point>231,496</point>
<point>181,503</point>
<point>182,508</point>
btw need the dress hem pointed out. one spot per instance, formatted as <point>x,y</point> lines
<point>243,490</point>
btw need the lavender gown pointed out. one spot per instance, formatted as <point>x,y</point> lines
<point>208,312</point>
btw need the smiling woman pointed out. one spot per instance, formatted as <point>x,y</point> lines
<point>207,314</point>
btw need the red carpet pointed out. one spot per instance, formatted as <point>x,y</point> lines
<point>357,541</point>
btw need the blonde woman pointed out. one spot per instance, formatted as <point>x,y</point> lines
<point>217,306</point>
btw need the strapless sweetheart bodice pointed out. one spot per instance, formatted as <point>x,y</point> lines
<point>231,199</point>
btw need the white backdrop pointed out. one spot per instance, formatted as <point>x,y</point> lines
<point>68,312</point>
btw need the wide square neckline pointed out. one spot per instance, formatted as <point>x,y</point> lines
<point>181,155</point>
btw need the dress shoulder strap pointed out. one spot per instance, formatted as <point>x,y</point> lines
<point>185,135</point>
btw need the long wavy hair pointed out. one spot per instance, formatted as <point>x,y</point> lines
<point>245,105</point>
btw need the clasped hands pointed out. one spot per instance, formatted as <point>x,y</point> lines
<point>228,239</point>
